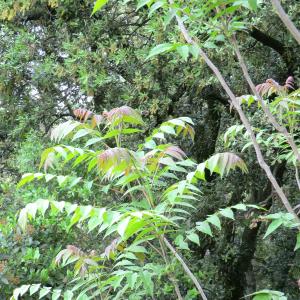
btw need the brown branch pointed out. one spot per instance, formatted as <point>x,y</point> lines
<point>286,20</point>
<point>242,115</point>
<point>186,269</point>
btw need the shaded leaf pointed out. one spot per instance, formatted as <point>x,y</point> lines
<point>162,48</point>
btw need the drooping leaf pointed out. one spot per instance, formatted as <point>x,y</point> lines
<point>204,227</point>
<point>273,226</point>
<point>56,294</point>
<point>227,212</point>
<point>122,226</point>
<point>34,288</point>
<point>183,51</point>
<point>181,244</point>
<point>155,7</point>
<point>194,238</point>
<point>44,291</point>
<point>215,220</point>
<point>297,246</point>
<point>159,49</point>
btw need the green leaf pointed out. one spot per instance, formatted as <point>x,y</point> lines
<point>268,295</point>
<point>44,291</point>
<point>240,206</point>
<point>98,5</point>
<point>94,222</point>
<point>122,226</point>
<point>23,289</point>
<point>48,177</point>
<point>132,279</point>
<point>80,133</point>
<point>252,4</point>
<point>273,226</point>
<point>137,249</point>
<point>167,129</point>
<point>160,49</point>
<point>42,205</point>
<point>262,297</point>
<point>142,3</point>
<point>204,227</point>
<point>34,288</point>
<point>148,283</point>
<point>200,172</point>
<point>61,179</point>
<point>22,220</point>
<point>16,293</point>
<point>227,213</point>
<point>215,220</point>
<point>194,238</point>
<point>155,7</point>
<point>68,295</point>
<point>194,49</point>
<point>297,242</point>
<point>183,51</point>
<point>212,164</point>
<point>93,141</point>
<point>179,241</point>
<point>28,177</point>
<point>74,181</point>
<point>56,294</point>
<point>210,45</point>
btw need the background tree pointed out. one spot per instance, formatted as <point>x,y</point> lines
<point>56,57</point>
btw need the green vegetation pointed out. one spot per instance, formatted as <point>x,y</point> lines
<point>149,149</point>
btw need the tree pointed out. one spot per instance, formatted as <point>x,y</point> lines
<point>52,37</point>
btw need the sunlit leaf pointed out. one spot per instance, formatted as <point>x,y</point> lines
<point>215,220</point>
<point>98,5</point>
<point>273,226</point>
<point>159,49</point>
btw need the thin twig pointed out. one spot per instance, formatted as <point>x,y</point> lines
<point>186,269</point>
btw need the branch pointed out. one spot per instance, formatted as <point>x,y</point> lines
<point>58,117</point>
<point>267,40</point>
<point>242,115</point>
<point>286,20</point>
<point>186,269</point>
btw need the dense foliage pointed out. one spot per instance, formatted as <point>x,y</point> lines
<point>149,149</point>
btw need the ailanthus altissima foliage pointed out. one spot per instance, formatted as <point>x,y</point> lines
<point>155,207</point>
<point>130,200</point>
